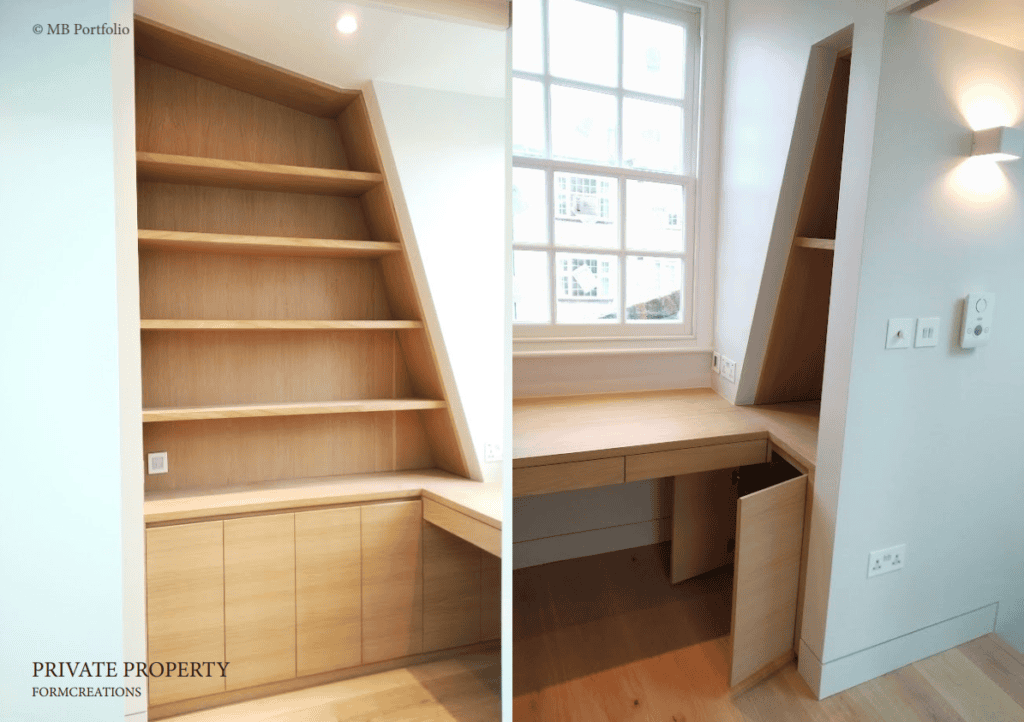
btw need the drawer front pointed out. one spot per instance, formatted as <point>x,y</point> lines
<point>566,477</point>
<point>695,460</point>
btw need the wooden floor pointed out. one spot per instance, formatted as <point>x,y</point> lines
<point>465,689</point>
<point>607,638</point>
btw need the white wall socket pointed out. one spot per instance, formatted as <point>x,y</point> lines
<point>728,369</point>
<point>888,560</point>
<point>716,365</point>
<point>492,452</point>
<point>157,462</point>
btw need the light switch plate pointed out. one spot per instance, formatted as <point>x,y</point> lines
<point>900,332</point>
<point>157,462</point>
<point>927,332</point>
<point>977,328</point>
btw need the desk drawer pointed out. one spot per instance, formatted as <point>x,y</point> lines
<point>566,477</point>
<point>695,460</point>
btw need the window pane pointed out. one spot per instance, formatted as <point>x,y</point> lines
<point>527,50</point>
<point>586,211</point>
<point>527,117</point>
<point>583,125</point>
<point>653,288</point>
<point>655,217</point>
<point>529,207</point>
<point>652,136</point>
<point>530,295</point>
<point>654,61</point>
<point>584,42</point>
<point>586,287</point>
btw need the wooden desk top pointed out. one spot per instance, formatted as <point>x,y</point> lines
<point>482,502</point>
<point>554,429</point>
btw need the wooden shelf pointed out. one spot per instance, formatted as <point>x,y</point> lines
<point>478,500</point>
<point>265,245</point>
<point>174,324</point>
<point>243,411</point>
<point>253,176</point>
<point>821,244</point>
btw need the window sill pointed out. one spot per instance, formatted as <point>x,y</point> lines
<point>598,346</point>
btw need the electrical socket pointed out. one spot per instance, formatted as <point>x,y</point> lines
<point>492,452</point>
<point>156,462</point>
<point>728,369</point>
<point>888,560</point>
<point>715,365</point>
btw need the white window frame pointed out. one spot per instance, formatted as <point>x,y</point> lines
<point>538,339</point>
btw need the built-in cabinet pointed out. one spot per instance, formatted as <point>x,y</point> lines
<point>281,596</point>
<point>283,342</point>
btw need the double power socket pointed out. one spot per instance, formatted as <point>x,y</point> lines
<point>724,366</point>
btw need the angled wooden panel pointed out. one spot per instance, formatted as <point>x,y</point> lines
<point>451,590</point>
<point>354,128</point>
<point>794,362</point>
<point>703,511</point>
<point>259,599</point>
<point>328,589</point>
<point>236,70</point>
<point>769,538</point>
<point>182,114</point>
<point>490,597</point>
<point>392,543</point>
<point>185,605</point>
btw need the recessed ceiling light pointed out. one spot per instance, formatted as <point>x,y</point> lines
<point>347,24</point>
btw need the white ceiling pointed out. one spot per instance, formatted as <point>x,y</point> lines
<point>1001,21</point>
<point>390,46</point>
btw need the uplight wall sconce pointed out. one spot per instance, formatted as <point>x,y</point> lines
<point>1000,143</point>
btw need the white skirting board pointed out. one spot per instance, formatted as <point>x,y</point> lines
<point>587,543</point>
<point>832,677</point>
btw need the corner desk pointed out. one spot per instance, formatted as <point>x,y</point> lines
<point>579,442</point>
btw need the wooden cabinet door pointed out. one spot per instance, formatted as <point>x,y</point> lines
<point>259,596</point>
<point>703,516</point>
<point>185,605</point>
<point>392,543</point>
<point>451,590</point>
<point>769,539</point>
<point>328,583</point>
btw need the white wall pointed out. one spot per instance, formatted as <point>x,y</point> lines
<point>932,436</point>
<point>60,376</point>
<point>449,155</point>
<point>893,423</point>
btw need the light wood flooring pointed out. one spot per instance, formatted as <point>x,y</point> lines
<point>607,638</point>
<point>464,689</point>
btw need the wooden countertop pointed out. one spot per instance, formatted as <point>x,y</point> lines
<point>482,502</point>
<point>554,429</point>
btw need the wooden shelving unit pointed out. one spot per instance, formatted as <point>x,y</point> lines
<point>794,362</point>
<point>278,305</point>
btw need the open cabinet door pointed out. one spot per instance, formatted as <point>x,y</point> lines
<point>769,537</point>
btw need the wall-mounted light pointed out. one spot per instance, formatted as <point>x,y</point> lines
<point>347,24</point>
<point>1000,143</point>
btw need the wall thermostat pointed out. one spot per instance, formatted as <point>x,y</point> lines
<point>978,308</point>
